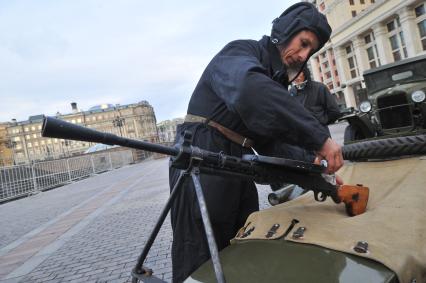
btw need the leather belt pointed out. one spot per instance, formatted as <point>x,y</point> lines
<point>228,133</point>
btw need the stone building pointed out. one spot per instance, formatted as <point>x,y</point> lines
<point>167,130</point>
<point>135,121</point>
<point>6,146</point>
<point>366,34</point>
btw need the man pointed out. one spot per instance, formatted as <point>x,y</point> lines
<point>240,102</point>
<point>316,97</point>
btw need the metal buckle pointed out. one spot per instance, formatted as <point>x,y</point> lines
<point>244,142</point>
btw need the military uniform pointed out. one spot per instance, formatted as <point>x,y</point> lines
<point>244,88</point>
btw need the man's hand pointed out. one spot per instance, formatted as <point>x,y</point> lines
<point>332,152</point>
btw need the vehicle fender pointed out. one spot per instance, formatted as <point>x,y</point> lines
<point>362,123</point>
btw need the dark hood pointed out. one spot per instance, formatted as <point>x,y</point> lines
<point>300,16</point>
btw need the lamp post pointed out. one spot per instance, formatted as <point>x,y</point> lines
<point>118,122</point>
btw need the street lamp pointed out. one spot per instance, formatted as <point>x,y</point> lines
<point>118,122</point>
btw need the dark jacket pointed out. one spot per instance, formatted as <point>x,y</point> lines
<point>244,88</point>
<point>319,101</point>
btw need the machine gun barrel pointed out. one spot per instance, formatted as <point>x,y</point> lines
<point>261,169</point>
<point>56,128</point>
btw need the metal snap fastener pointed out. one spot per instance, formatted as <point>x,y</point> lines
<point>298,234</point>
<point>361,247</point>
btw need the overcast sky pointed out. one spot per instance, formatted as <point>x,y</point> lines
<point>120,52</point>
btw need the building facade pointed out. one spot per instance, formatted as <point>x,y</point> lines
<point>135,121</point>
<point>167,130</point>
<point>366,34</point>
<point>6,153</point>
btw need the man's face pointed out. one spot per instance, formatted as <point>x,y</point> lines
<point>301,46</point>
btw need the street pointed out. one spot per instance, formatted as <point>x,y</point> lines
<point>93,230</point>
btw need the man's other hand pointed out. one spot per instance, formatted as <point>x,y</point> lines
<point>332,152</point>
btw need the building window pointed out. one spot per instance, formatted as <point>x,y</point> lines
<point>351,2</point>
<point>361,1</point>
<point>421,23</point>
<point>353,66</point>
<point>396,38</point>
<point>348,49</point>
<point>371,49</point>
<point>372,1</point>
<point>420,10</point>
<point>367,38</point>
<point>353,14</point>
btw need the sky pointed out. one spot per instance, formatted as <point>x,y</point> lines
<point>92,52</point>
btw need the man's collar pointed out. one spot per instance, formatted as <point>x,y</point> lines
<point>274,55</point>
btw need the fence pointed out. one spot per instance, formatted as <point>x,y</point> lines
<point>21,180</point>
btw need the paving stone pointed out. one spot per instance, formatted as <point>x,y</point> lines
<point>107,248</point>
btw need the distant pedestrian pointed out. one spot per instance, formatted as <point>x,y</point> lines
<point>316,97</point>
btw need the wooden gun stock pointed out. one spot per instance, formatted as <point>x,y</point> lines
<point>355,198</point>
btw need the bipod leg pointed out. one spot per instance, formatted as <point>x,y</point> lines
<point>139,271</point>
<point>195,174</point>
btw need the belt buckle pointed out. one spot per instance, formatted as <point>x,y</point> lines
<point>244,142</point>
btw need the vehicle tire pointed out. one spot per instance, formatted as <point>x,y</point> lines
<point>352,134</point>
<point>385,147</point>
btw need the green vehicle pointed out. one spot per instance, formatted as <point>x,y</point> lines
<point>396,102</point>
<point>393,118</point>
<point>317,242</point>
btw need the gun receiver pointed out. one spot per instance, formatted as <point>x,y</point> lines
<point>261,169</point>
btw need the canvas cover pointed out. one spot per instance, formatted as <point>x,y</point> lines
<point>394,225</point>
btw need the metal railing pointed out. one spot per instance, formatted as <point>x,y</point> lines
<point>21,180</point>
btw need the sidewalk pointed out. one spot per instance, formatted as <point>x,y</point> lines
<point>89,231</point>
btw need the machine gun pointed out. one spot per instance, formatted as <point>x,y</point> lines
<point>193,161</point>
